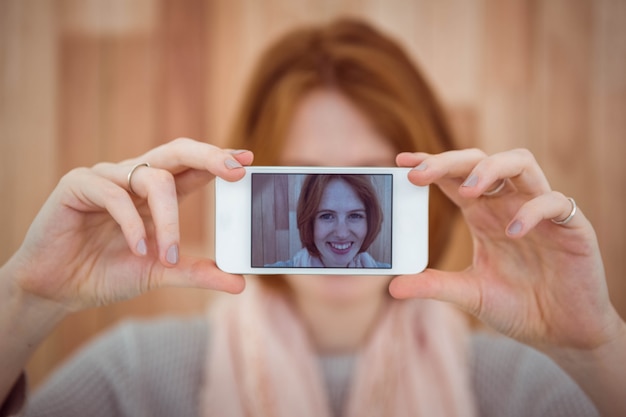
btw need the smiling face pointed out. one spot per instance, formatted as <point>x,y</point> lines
<point>340,224</point>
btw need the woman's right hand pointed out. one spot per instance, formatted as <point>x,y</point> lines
<point>95,242</point>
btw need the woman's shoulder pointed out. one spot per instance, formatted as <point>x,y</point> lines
<point>139,365</point>
<point>153,345</point>
<point>365,260</point>
<point>301,258</point>
<point>513,379</point>
<point>162,339</point>
<point>280,264</point>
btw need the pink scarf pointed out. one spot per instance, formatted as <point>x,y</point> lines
<point>261,362</point>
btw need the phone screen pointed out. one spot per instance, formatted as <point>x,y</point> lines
<point>321,220</point>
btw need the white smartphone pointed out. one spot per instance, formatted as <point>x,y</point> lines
<point>321,220</point>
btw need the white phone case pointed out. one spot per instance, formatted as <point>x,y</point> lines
<point>256,227</point>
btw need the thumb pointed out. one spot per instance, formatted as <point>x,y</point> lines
<point>457,288</point>
<point>201,273</point>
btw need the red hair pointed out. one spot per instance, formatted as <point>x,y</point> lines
<point>373,72</point>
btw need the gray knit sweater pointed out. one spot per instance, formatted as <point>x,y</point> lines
<point>155,369</point>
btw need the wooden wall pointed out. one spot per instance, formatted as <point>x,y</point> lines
<point>88,80</point>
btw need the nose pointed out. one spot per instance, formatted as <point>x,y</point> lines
<point>342,231</point>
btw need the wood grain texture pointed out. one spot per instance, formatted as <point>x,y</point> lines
<point>85,81</point>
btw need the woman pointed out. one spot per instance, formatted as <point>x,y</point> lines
<point>339,217</point>
<point>323,345</point>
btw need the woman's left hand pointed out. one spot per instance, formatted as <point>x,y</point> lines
<point>539,282</point>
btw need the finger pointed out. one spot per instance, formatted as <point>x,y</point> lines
<point>182,156</point>
<point>552,205</point>
<point>183,153</point>
<point>179,157</point>
<point>411,159</point>
<point>94,193</point>
<point>198,273</point>
<point>158,187</point>
<point>449,165</point>
<point>191,180</point>
<point>448,169</point>
<point>518,166</point>
<point>186,181</point>
<point>454,287</point>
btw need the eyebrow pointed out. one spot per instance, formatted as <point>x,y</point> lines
<point>335,211</point>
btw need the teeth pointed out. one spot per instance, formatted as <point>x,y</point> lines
<point>341,246</point>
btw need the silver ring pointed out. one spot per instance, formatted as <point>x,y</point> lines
<point>130,175</point>
<point>570,216</point>
<point>497,189</point>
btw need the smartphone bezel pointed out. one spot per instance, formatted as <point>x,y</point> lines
<point>233,223</point>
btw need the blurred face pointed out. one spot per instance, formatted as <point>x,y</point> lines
<point>328,130</point>
<point>340,224</point>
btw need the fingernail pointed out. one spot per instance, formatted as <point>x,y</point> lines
<point>172,254</point>
<point>514,228</point>
<point>471,181</point>
<point>142,248</point>
<point>232,164</point>
<point>421,167</point>
<point>237,151</point>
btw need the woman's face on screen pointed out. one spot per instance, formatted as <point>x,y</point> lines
<point>328,130</point>
<point>340,224</point>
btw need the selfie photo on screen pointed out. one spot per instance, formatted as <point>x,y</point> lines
<point>321,221</point>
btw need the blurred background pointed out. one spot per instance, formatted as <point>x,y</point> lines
<point>83,81</point>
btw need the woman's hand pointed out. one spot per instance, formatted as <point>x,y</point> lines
<point>539,282</point>
<point>531,279</point>
<point>95,241</point>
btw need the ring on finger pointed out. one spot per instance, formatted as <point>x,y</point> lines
<point>496,190</point>
<point>130,175</point>
<point>570,216</point>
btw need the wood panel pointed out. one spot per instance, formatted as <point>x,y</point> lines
<point>84,81</point>
<point>608,130</point>
<point>27,116</point>
<point>28,119</point>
